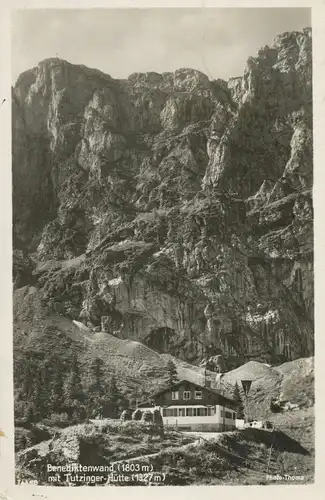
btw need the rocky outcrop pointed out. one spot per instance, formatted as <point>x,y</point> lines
<point>177,210</point>
<point>291,382</point>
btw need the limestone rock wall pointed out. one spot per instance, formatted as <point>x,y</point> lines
<point>178,210</point>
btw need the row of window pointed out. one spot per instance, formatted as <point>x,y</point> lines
<point>228,414</point>
<point>186,395</point>
<point>188,412</point>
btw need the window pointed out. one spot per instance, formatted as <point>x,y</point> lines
<point>186,395</point>
<point>221,413</point>
<point>228,414</point>
<point>189,412</point>
<point>212,410</point>
<point>181,412</point>
<point>170,412</point>
<point>234,415</point>
<point>202,412</point>
<point>175,395</point>
<point>198,394</point>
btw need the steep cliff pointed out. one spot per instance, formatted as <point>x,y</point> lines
<point>171,209</point>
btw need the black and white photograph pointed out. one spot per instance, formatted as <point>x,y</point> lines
<point>162,247</point>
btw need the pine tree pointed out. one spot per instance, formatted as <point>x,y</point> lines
<point>37,400</point>
<point>240,412</point>
<point>74,388</point>
<point>157,418</point>
<point>172,373</point>
<point>29,376</point>
<point>158,422</point>
<point>29,413</point>
<point>57,393</point>
<point>97,389</point>
<point>115,400</point>
<point>27,380</point>
<point>75,394</point>
<point>40,398</point>
<point>114,396</point>
<point>97,377</point>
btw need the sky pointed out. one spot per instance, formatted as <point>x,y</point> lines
<point>119,42</point>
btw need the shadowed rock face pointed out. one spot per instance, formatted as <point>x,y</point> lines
<point>178,210</point>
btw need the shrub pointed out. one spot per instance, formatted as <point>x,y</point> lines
<point>29,437</point>
<point>137,414</point>
<point>126,415</point>
<point>22,439</point>
<point>157,418</point>
<point>131,428</point>
<point>147,416</point>
<point>58,419</point>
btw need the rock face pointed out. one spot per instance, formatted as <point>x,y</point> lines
<point>292,382</point>
<point>174,210</point>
